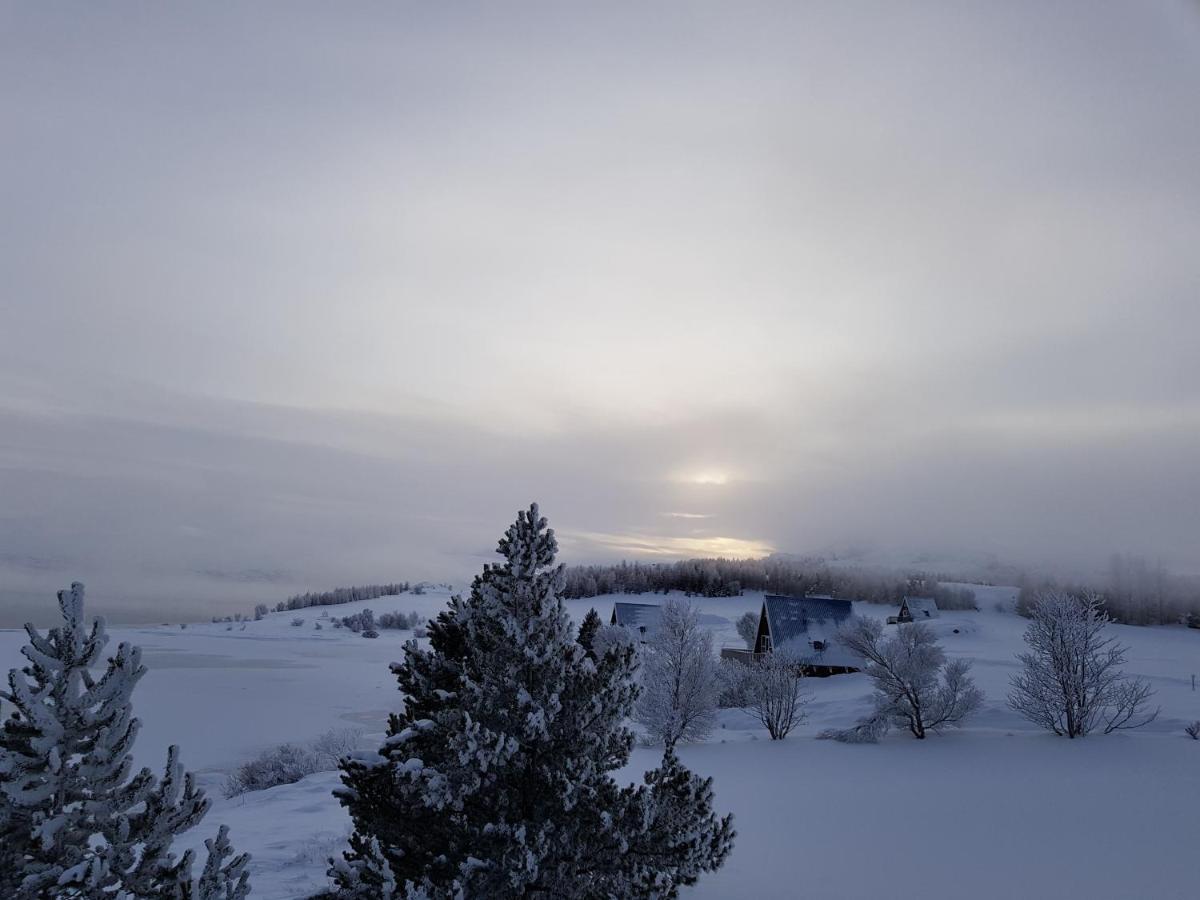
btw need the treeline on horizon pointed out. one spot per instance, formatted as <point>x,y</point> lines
<point>731,577</point>
<point>344,595</point>
<point>1133,591</point>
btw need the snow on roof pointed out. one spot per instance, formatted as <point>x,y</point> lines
<point>641,616</point>
<point>922,607</point>
<point>807,627</point>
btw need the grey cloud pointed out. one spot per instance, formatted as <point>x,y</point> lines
<point>325,295</point>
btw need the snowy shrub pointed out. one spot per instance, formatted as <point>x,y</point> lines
<point>680,677</point>
<point>1193,730</point>
<point>296,623</point>
<point>370,633</point>
<point>260,612</point>
<point>317,626</point>
<point>420,632</point>
<point>364,620</point>
<point>284,764</point>
<point>496,779</point>
<point>915,686</point>
<point>334,744</point>
<point>769,689</point>
<point>868,731</point>
<point>1071,682</point>
<point>399,620</point>
<point>288,763</point>
<point>747,629</point>
<point>73,824</point>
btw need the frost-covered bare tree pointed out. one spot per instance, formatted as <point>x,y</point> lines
<point>1071,681</point>
<point>747,629</point>
<point>73,823</point>
<point>915,686</point>
<point>771,690</point>
<point>681,679</point>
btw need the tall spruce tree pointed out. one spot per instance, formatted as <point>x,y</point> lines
<point>496,780</point>
<point>73,824</point>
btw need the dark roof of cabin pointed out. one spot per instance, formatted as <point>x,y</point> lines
<point>793,617</point>
<point>637,614</point>
<point>925,605</point>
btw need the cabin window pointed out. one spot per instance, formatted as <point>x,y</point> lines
<point>818,645</point>
<point>765,643</point>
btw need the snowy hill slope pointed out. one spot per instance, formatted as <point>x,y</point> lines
<point>996,810</point>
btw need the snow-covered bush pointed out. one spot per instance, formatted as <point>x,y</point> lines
<point>288,763</point>
<point>1071,682</point>
<point>73,824</point>
<point>747,629</point>
<point>771,690</point>
<point>680,677</point>
<point>260,612</point>
<point>363,620</point>
<point>868,731</point>
<point>370,633</point>
<point>331,746</point>
<point>399,620</point>
<point>296,623</point>
<point>283,764</point>
<point>496,779</point>
<point>915,686</point>
<point>1193,730</point>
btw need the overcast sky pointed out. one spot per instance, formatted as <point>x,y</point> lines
<point>295,296</point>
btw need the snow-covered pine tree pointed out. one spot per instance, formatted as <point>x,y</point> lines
<point>73,824</point>
<point>495,780</point>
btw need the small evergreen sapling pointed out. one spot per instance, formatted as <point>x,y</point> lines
<point>73,824</point>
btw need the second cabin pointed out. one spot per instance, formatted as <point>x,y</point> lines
<point>804,628</point>
<point>915,609</point>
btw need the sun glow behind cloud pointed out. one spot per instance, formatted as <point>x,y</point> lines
<point>705,477</point>
<point>662,547</point>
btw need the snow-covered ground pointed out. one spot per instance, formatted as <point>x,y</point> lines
<point>995,810</point>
